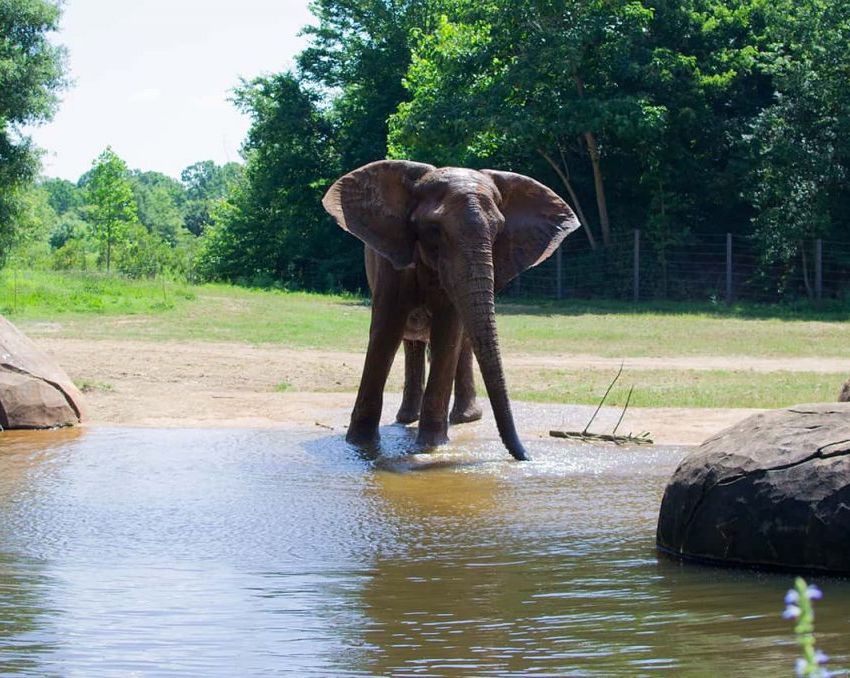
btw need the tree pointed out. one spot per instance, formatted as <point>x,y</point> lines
<point>205,184</point>
<point>637,106</point>
<point>536,77</point>
<point>272,227</point>
<point>64,196</point>
<point>801,142</point>
<point>112,207</point>
<point>360,50</point>
<point>31,74</point>
<point>33,221</point>
<point>160,201</point>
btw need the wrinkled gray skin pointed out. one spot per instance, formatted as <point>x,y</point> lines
<point>444,240</point>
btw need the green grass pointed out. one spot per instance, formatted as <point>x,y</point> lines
<point>37,294</point>
<point>666,329</point>
<point>96,306</point>
<point>677,388</point>
<point>89,386</point>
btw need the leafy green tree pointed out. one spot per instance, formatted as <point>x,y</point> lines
<point>144,254</point>
<point>160,201</point>
<point>630,105</point>
<point>64,196</point>
<point>205,184</point>
<point>802,141</point>
<point>272,228</point>
<point>111,205</point>
<point>31,74</point>
<point>307,129</point>
<point>34,218</point>
<point>535,77</point>
<point>361,50</point>
<point>68,226</point>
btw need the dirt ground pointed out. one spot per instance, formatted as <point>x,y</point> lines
<point>199,384</point>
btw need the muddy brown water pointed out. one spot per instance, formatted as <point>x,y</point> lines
<point>268,552</point>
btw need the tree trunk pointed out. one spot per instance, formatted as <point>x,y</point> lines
<point>598,183</point>
<point>565,179</point>
<point>808,283</point>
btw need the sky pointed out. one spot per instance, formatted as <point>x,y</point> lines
<point>151,78</point>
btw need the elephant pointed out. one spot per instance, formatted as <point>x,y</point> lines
<point>443,240</point>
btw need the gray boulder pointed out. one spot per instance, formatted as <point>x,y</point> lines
<point>844,395</point>
<point>34,391</point>
<point>772,491</point>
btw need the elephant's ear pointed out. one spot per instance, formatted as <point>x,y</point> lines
<point>536,221</point>
<point>374,203</point>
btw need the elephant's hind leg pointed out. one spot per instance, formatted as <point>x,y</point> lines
<point>414,382</point>
<point>465,408</point>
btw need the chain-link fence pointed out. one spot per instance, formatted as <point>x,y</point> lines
<point>712,267</point>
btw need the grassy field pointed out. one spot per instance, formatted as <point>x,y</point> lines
<point>101,307</point>
<point>98,306</point>
<point>679,388</point>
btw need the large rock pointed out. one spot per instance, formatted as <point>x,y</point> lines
<point>34,391</point>
<point>844,395</point>
<point>772,491</point>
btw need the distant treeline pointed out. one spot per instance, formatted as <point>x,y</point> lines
<point>681,118</point>
<point>140,224</point>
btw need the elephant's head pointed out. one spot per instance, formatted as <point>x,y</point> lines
<point>477,229</point>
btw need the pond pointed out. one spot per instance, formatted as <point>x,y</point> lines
<point>246,552</point>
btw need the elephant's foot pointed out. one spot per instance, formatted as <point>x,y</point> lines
<point>432,437</point>
<point>408,412</point>
<point>362,436</point>
<point>463,413</point>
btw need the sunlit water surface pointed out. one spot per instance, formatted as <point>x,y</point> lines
<point>199,552</point>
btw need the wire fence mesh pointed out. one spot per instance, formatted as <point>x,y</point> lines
<point>712,267</point>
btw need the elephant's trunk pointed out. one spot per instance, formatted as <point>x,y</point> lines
<point>478,311</point>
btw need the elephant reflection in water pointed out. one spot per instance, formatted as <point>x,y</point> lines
<point>437,595</point>
<point>439,244</point>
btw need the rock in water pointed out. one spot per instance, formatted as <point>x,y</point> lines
<point>34,391</point>
<point>772,491</point>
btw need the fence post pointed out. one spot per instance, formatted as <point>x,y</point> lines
<point>818,269</point>
<point>559,272</point>
<point>637,266</point>
<point>728,268</point>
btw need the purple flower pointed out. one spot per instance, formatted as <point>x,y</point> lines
<point>814,593</point>
<point>791,612</point>
<point>821,658</point>
<point>801,666</point>
<point>791,597</point>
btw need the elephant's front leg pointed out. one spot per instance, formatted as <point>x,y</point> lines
<point>465,407</point>
<point>446,340</point>
<point>414,381</point>
<point>385,335</point>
